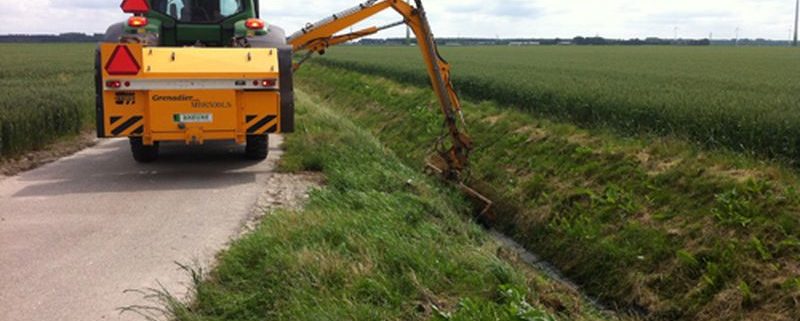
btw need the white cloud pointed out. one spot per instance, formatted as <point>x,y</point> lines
<point>506,18</point>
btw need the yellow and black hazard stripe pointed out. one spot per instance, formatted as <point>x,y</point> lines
<point>130,126</point>
<point>263,125</point>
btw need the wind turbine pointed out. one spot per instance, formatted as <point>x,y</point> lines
<point>796,20</point>
<point>408,30</point>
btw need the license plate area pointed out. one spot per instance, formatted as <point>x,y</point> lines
<point>173,110</point>
<point>193,118</point>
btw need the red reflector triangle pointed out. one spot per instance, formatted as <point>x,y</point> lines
<point>135,6</point>
<point>122,62</point>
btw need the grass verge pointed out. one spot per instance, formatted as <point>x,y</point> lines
<point>650,223</point>
<point>380,241</point>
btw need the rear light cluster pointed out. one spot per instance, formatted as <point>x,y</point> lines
<point>255,24</point>
<point>116,84</point>
<point>138,8</point>
<point>137,22</point>
<point>266,83</point>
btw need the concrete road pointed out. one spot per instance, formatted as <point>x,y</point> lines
<point>76,233</point>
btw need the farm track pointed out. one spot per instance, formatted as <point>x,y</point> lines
<point>76,233</point>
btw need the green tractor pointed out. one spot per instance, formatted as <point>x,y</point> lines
<point>206,23</point>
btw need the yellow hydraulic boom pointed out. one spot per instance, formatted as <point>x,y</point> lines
<point>449,161</point>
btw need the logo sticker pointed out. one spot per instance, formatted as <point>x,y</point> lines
<point>195,102</point>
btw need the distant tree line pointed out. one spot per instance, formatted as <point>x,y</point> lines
<point>579,41</point>
<point>64,37</point>
<point>600,41</point>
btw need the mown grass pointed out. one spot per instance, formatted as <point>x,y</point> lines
<point>745,99</point>
<point>47,93</point>
<point>379,241</point>
<point>648,222</point>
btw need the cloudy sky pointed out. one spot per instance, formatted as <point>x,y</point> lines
<point>482,18</point>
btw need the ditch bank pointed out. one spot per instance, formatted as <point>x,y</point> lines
<point>643,223</point>
<point>378,241</point>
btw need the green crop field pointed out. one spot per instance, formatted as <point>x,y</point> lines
<point>47,92</point>
<point>746,99</point>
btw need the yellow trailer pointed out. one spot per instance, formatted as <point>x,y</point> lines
<point>193,95</point>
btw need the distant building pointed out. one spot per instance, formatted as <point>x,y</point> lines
<point>524,43</point>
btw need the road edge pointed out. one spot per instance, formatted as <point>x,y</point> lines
<point>49,153</point>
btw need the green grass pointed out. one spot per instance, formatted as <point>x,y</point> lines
<point>652,223</point>
<point>380,241</point>
<point>745,99</point>
<point>47,93</point>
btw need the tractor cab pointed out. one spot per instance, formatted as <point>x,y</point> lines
<point>207,23</point>
<point>198,11</point>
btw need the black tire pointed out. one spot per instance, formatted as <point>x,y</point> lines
<point>276,38</point>
<point>98,96</point>
<point>257,147</point>
<point>114,32</point>
<point>143,153</point>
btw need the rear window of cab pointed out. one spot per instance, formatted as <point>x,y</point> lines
<point>198,11</point>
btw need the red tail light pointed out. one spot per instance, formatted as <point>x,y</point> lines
<point>269,83</point>
<point>135,6</point>
<point>122,62</point>
<point>137,22</point>
<point>113,84</point>
<point>254,24</point>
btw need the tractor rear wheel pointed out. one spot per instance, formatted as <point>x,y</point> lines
<point>114,32</point>
<point>257,147</point>
<point>275,38</point>
<point>143,153</point>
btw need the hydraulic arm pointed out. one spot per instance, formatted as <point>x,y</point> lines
<point>450,160</point>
